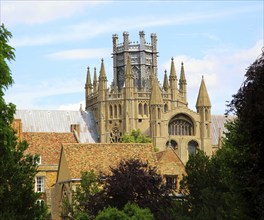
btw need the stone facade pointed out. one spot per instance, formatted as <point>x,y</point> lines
<point>136,100</point>
<point>47,145</point>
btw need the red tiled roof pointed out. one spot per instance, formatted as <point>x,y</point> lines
<point>169,163</point>
<point>47,144</point>
<point>100,157</point>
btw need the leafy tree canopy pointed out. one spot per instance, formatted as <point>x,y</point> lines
<point>130,212</point>
<point>135,137</point>
<point>136,182</point>
<point>245,140</point>
<point>229,185</point>
<point>17,171</point>
<point>83,201</point>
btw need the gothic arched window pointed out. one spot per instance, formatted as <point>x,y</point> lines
<point>115,111</point>
<point>140,111</point>
<point>181,124</point>
<point>111,111</point>
<point>192,147</point>
<point>145,109</point>
<point>120,109</point>
<point>165,108</point>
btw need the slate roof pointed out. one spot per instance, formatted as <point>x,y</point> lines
<point>218,122</point>
<point>100,157</point>
<point>58,121</point>
<point>48,145</point>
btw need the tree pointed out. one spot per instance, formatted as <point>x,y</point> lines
<point>83,201</point>
<point>245,140</point>
<point>130,211</point>
<point>136,182</point>
<point>135,137</point>
<point>229,185</point>
<point>17,170</point>
<point>206,187</point>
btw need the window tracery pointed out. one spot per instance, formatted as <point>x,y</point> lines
<point>181,125</point>
<point>115,135</point>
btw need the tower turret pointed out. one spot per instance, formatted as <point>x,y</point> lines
<point>129,98</point>
<point>95,88</point>
<point>102,87</point>
<point>102,99</point>
<point>182,84</point>
<point>203,106</point>
<point>156,108</point>
<point>154,53</point>
<point>173,81</point>
<point>165,82</point>
<point>88,84</point>
<point>115,43</point>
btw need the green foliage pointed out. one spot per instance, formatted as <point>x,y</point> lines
<point>111,214</point>
<point>83,200</point>
<point>207,191</point>
<point>6,54</point>
<point>137,182</point>
<point>130,212</point>
<point>229,185</point>
<point>135,137</point>
<point>245,140</point>
<point>17,170</point>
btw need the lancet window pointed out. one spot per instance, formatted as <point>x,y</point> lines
<point>145,109</point>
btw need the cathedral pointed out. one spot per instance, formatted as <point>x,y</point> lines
<point>69,142</point>
<point>136,100</point>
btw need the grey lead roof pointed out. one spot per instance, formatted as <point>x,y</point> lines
<point>58,121</point>
<point>218,122</point>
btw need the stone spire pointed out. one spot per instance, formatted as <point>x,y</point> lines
<point>95,81</point>
<point>182,76</point>
<point>88,85</point>
<point>156,97</point>
<point>102,76</point>
<point>203,98</point>
<point>173,81</point>
<point>172,70</point>
<point>102,86</point>
<point>165,82</point>
<point>182,83</point>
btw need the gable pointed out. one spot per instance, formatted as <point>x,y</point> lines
<point>169,163</point>
<point>63,171</point>
<point>47,145</point>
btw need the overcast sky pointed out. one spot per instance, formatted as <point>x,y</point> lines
<point>56,41</point>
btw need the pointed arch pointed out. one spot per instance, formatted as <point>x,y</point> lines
<point>120,109</point>
<point>166,107</point>
<point>111,111</point>
<point>181,124</point>
<point>140,110</point>
<point>115,111</point>
<point>192,147</point>
<point>159,113</point>
<point>145,109</point>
